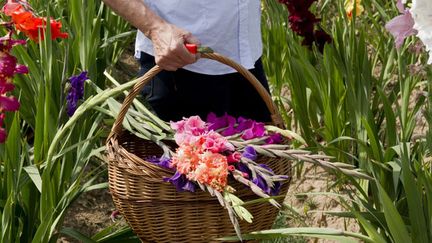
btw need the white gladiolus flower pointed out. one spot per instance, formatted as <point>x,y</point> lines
<point>421,11</point>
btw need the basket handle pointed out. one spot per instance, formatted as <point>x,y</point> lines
<point>276,118</point>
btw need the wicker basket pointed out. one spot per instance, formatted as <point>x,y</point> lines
<point>154,209</point>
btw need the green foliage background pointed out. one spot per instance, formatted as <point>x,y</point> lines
<point>358,101</point>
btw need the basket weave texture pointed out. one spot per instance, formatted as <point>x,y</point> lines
<point>154,209</point>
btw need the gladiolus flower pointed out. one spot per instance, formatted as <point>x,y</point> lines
<point>8,68</point>
<point>27,22</point>
<point>216,123</point>
<point>76,92</point>
<point>249,153</point>
<point>181,182</point>
<point>401,26</point>
<point>303,22</point>
<point>349,8</point>
<point>234,157</point>
<point>199,157</point>
<point>275,138</point>
<point>188,128</point>
<point>8,103</point>
<point>3,135</point>
<point>163,161</point>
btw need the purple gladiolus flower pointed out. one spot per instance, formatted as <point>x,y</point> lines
<point>261,183</point>
<point>250,128</point>
<point>228,122</point>
<point>163,161</point>
<point>274,138</point>
<point>243,124</point>
<point>76,92</point>
<point>249,153</point>
<point>276,188</point>
<point>229,131</point>
<point>401,26</point>
<point>181,182</point>
<point>244,168</point>
<point>266,167</point>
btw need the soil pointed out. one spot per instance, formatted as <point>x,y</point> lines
<point>90,214</point>
<point>308,197</point>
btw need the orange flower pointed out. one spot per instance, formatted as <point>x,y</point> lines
<point>201,165</point>
<point>31,25</point>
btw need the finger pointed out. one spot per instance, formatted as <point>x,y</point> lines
<point>189,38</point>
<point>184,55</point>
<point>168,66</point>
<point>172,63</point>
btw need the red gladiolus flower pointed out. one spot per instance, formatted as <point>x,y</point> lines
<point>303,22</point>
<point>32,26</point>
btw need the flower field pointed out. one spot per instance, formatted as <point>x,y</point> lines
<point>350,79</point>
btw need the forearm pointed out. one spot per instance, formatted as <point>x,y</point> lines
<point>138,14</point>
<point>168,40</point>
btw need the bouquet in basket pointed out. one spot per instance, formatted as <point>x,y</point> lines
<point>214,153</point>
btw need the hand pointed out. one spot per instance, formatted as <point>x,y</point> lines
<point>169,49</point>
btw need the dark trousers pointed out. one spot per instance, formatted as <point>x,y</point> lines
<point>174,95</point>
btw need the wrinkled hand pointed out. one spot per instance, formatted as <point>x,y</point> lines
<point>169,49</point>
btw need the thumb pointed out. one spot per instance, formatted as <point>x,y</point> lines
<point>190,39</point>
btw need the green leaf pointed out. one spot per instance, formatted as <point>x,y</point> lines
<point>394,220</point>
<point>414,195</point>
<point>34,175</point>
<point>236,203</point>
<point>77,235</point>
<point>124,234</point>
<point>328,233</point>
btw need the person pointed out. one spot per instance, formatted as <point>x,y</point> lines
<point>190,85</point>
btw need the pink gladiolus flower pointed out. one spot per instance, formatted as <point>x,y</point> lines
<point>234,157</point>
<point>231,168</point>
<point>6,87</point>
<point>6,43</point>
<point>8,103</point>
<point>187,128</point>
<point>3,135</point>
<point>195,126</point>
<point>7,65</point>
<point>178,126</point>
<point>214,142</point>
<point>401,26</point>
<point>8,68</point>
<point>2,117</point>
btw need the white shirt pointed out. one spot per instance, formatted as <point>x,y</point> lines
<point>229,27</point>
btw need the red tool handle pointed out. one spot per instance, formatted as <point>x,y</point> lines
<point>192,48</point>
